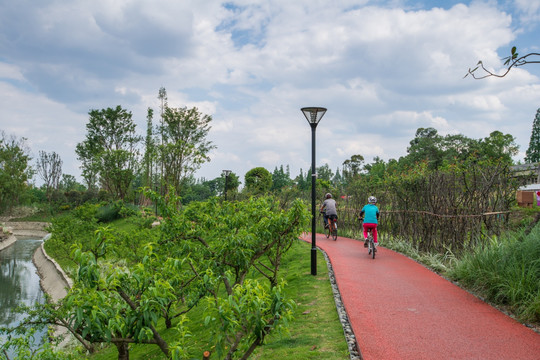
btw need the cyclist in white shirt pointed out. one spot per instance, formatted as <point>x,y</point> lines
<point>329,209</point>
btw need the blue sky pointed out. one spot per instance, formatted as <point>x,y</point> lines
<point>381,68</point>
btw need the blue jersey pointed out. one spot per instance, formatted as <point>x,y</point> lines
<point>370,214</point>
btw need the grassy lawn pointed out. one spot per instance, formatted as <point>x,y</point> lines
<point>315,333</point>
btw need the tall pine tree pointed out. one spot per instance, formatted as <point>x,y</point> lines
<point>532,154</point>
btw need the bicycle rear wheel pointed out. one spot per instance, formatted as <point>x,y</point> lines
<point>371,246</point>
<point>334,230</point>
<point>327,230</point>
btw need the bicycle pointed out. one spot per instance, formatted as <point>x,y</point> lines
<point>372,249</point>
<point>331,229</point>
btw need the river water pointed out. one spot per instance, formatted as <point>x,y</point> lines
<point>19,282</point>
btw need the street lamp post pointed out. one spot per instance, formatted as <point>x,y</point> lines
<point>313,116</point>
<point>226,173</point>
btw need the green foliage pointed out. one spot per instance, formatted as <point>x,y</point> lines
<point>184,146</point>
<point>258,181</point>
<point>533,152</point>
<point>49,168</point>
<point>109,150</point>
<point>352,167</point>
<point>14,170</point>
<point>69,183</point>
<point>439,262</point>
<point>281,179</point>
<point>315,332</point>
<point>507,272</point>
<point>127,284</point>
<point>246,311</point>
<point>24,347</point>
<point>109,212</point>
<point>115,210</point>
<point>72,230</point>
<point>439,151</point>
<point>324,173</point>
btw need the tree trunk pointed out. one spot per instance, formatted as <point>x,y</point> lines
<point>123,350</point>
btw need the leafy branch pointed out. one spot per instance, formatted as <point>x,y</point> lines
<point>511,61</point>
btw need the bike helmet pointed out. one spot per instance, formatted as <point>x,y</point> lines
<point>372,200</point>
<point>328,196</point>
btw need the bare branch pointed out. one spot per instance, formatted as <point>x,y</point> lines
<point>512,61</point>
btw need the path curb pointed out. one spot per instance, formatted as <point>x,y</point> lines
<point>352,344</point>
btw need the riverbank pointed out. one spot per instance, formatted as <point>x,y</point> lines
<point>53,280</point>
<point>7,242</point>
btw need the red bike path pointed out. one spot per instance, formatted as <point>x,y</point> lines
<point>398,309</point>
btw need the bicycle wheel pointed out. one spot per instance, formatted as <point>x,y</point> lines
<point>334,230</point>
<point>327,230</point>
<point>374,249</point>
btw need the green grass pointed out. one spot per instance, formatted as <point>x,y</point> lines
<point>440,263</point>
<point>506,272</point>
<point>315,333</point>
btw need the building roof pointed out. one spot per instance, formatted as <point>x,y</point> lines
<point>530,187</point>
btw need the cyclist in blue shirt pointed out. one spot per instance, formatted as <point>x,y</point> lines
<point>370,212</point>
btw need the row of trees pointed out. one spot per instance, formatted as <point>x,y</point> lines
<point>196,269</point>
<point>173,150</point>
<point>116,161</point>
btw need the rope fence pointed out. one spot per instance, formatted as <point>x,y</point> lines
<point>430,231</point>
<point>441,210</point>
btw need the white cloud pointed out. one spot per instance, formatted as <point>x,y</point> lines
<point>530,10</point>
<point>382,69</point>
<point>9,71</point>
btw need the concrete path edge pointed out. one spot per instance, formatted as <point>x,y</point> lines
<point>352,344</point>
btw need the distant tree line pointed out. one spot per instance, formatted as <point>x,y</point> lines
<point>117,162</point>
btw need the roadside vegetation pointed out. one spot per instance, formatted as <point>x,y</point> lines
<point>506,272</point>
<point>223,271</point>
<point>215,277</point>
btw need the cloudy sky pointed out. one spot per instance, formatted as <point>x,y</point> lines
<point>382,68</point>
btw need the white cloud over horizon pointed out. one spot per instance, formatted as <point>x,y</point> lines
<point>382,68</point>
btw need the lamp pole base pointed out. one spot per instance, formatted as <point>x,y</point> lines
<point>313,261</point>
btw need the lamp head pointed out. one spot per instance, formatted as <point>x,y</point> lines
<point>313,114</point>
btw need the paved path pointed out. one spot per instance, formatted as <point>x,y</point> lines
<point>398,309</point>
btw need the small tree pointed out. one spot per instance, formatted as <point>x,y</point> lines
<point>14,169</point>
<point>352,166</point>
<point>280,178</point>
<point>49,168</point>
<point>150,151</point>
<point>110,150</point>
<point>533,152</point>
<point>258,180</point>
<point>185,146</point>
